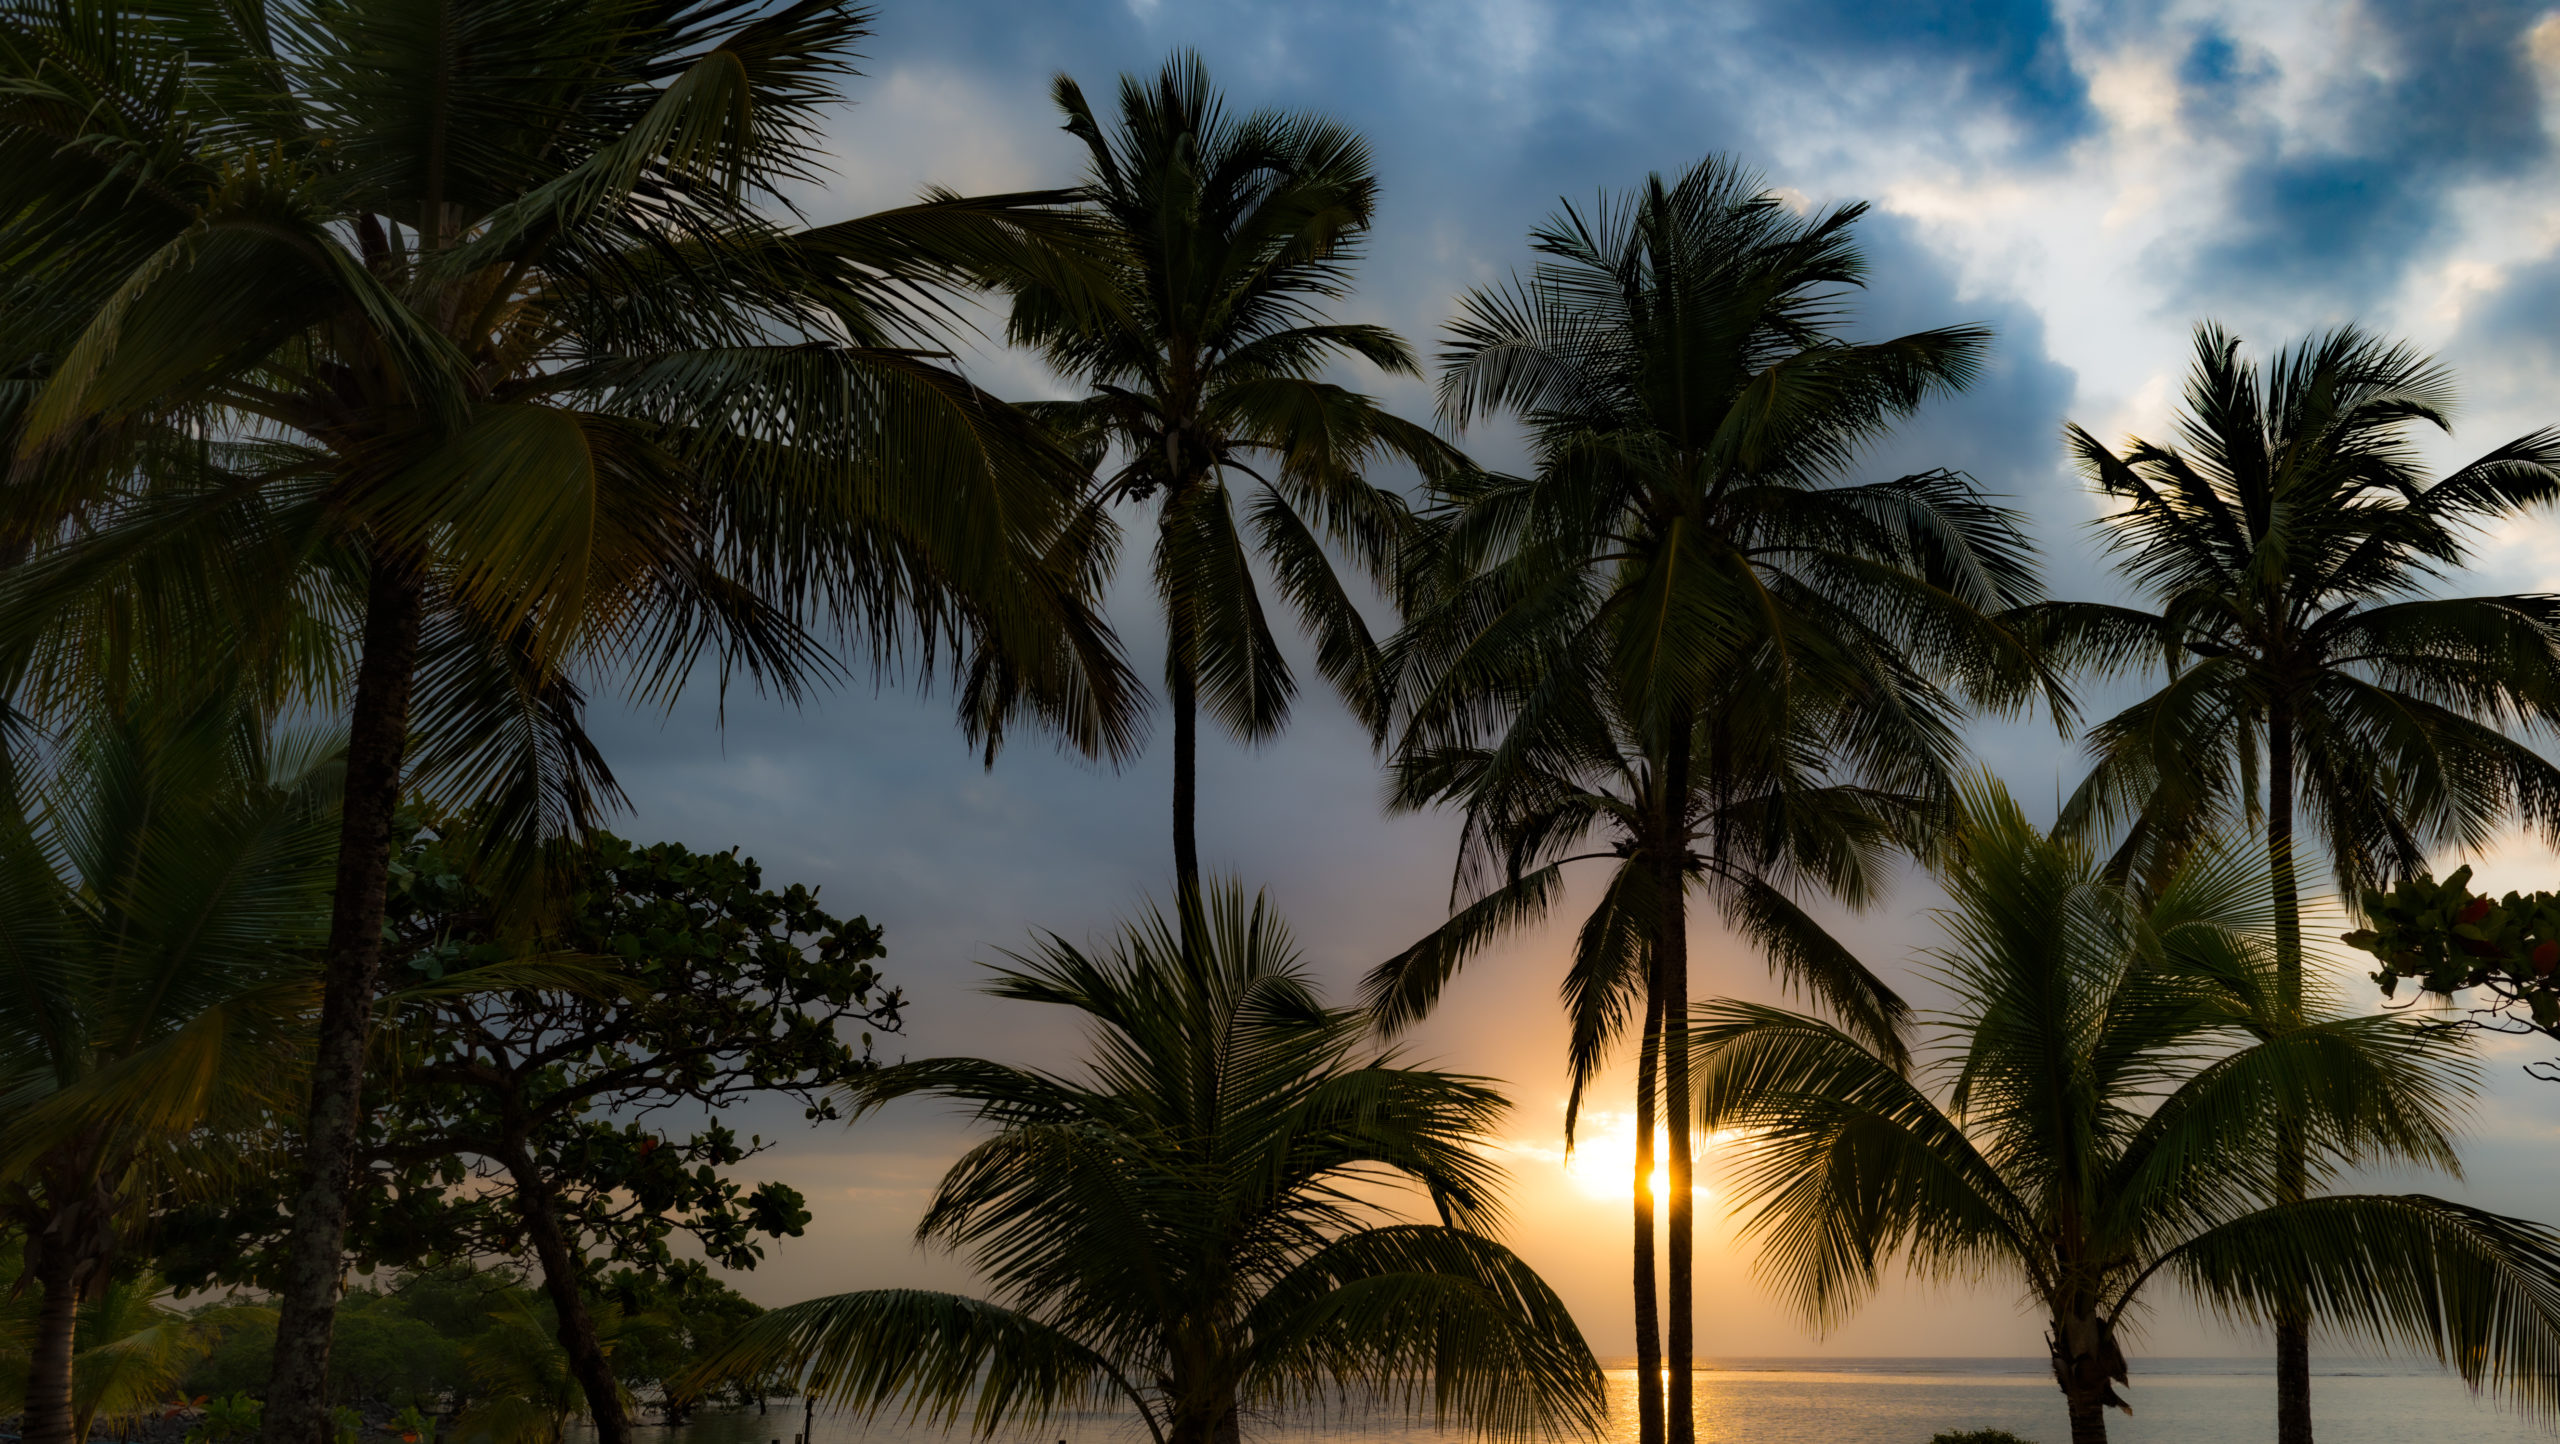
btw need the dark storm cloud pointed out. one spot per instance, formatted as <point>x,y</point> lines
<point>2005,429</point>
<point>2337,211</point>
<point>2003,55</point>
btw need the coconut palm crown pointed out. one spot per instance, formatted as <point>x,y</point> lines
<point>1227,237</point>
<point>2101,1121</point>
<point>1192,1228</point>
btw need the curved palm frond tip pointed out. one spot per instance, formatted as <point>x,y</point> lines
<point>1189,1227</point>
<point>2116,1074</point>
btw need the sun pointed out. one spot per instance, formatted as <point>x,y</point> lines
<point>1603,1161</point>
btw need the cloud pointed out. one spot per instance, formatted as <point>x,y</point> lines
<point>2366,141</point>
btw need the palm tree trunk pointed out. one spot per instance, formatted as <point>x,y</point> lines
<point>297,1407</point>
<point>2293,1326</point>
<point>2088,1417</point>
<point>48,1409</point>
<point>1671,961</point>
<point>560,1279</point>
<point>1186,780</point>
<point>1648,1306</point>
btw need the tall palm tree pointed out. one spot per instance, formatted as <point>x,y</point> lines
<point>481,333</point>
<point>163,892</point>
<point>1687,627</point>
<point>2116,1072</point>
<point>1190,1227</point>
<point>1227,236</point>
<point>2284,544</point>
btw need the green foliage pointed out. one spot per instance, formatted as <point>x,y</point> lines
<point>163,888</point>
<point>2288,542</point>
<point>2113,1080</point>
<point>226,1418</point>
<point>426,1343</point>
<point>532,341</point>
<point>384,1353</point>
<point>671,1318</point>
<point>1186,1226</point>
<point>2449,940</point>
<point>679,978</point>
<point>131,1354</point>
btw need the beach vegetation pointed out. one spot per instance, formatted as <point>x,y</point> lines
<point>1200,1224</point>
<point>2291,551</point>
<point>1692,641</point>
<point>2102,1119</point>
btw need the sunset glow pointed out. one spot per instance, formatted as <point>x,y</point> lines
<point>1603,1159</point>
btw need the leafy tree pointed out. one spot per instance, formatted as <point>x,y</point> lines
<point>2117,1070</point>
<point>1688,636</point>
<point>163,882</point>
<point>2450,941</point>
<point>2284,542</point>
<point>432,1341</point>
<point>1183,1227</point>
<point>465,351</point>
<point>527,1119</point>
<point>1225,238</point>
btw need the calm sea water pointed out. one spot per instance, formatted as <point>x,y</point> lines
<point>1855,1401</point>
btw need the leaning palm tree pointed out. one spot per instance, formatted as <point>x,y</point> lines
<point>163,894</point>
<point>1227,236</point>
<point>1689,609</point>
<point>467,355</point>
<point>1192,1228</point>
<point>2284,545</point>
<point>2115,1074</point>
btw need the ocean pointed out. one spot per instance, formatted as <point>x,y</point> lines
<point>1848,1401</point>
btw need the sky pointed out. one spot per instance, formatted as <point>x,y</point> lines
<point>2090,179</point>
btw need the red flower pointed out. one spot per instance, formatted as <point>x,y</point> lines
<point>2479,909</point>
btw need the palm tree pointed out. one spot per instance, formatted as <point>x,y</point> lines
<point>2116,1072</point>
<point>131,1354</point>
<point>1191,1227</point>
<point>1226,237</point>
<point>2286,540</point>
<point>162,895</point>
<point>456,350</point>
<point>1686,628</point>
